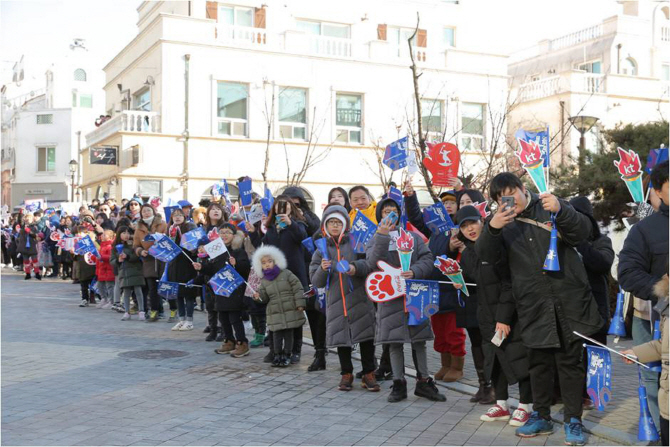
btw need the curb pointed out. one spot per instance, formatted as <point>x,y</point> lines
<point>593,428</point>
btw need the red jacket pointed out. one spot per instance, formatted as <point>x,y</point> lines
<point>103,268</point>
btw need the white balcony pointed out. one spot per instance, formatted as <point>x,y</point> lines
<point>302,43</point>
<point>583,35</point>
<point>241,35</point>
<point>665,33</point>
<point>539,89</point>
<point>136,121</point>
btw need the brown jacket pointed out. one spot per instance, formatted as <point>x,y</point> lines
<point>658,349</point>
<point>151,267</point>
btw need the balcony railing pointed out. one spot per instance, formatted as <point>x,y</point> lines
<point>539,89</point>
<point>127,121</point>
<point>583,35</point>
<point>593,83</point>
<point>241,35</point>
<point>665,33</point>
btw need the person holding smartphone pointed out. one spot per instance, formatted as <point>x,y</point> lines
<point>550,305</point>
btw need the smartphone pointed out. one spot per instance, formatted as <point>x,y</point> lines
<point>281,207</point>
<point>498,338</point>
<point>508,202</point>
<point>392,217</point>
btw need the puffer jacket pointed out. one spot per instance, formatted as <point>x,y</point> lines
<point>27,233</point>
<point>392,317</point>
<point>151,267</point>
<point>103,269</point>
<point>658,349</point>
<point>545,300</point>
<point>350,315</point>
<point>180,269</point>
<point>495,304</point>
<point>130,270</point>
<point>283,297</point>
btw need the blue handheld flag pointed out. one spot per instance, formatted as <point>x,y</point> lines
<point>599,376</point>
<point>226,281</point>
<point>190,240</point>
<point>362,231</point>
<point>164,249</point>
<point>246,194</point>
<point>395,155</point>
<point>422,300</point>
<point>437,219</point>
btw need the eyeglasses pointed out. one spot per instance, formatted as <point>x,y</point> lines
<point>336,223</point>
<point>229,233</point>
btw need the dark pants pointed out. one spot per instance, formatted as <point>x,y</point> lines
<point>185,306</point>
<point>367,349</point>
<point>501,384</point>
<point>317,326</point>
<point>155,301</point>
<point>258,322</point>
<point>475,336</point>
<point>84,290</point>
<point>232,322</point>
<point>567,362</point>
<point>664,431</point>
<point>283,341</point>
<point>67,269</point>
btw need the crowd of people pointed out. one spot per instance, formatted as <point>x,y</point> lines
<point>518,317</point>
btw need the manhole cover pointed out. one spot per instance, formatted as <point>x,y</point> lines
<point>153,354</point>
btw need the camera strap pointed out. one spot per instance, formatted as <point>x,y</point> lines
<point>537,224</point>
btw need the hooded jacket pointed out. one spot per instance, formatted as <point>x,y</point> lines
<point>350,315</point>
<point>130,270</point>
<point>103,269</point>
<point>151,267</point>
<point>545,300</point>
<point>312,220</point>
<point>283,295</point>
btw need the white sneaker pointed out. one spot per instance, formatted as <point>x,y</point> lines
<point>107,305</point>
<point>101,304</point>
<point>187,326</point>
<point>125,317</point>
<point>248,326</point>
<point>141,316</point>
<point>84,303</point>
<point>519,417</point>
<point>177,326</point>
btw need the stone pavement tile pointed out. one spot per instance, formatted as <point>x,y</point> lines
<point>505,440</point>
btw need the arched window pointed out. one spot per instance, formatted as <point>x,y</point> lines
<point>629,67</point>
<point>80,75</point>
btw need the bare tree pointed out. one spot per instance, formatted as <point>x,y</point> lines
<point>269,114</point>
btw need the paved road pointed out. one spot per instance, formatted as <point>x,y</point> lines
<point>80,376</point>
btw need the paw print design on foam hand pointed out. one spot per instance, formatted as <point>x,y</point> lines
<point>385,285</point>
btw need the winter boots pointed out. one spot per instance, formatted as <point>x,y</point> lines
<point>455,371</point>
<point>319,362</point>
<point>427,388</point>
<point>257,342</point>
<point>226,347</point>
<point>241,349</point>
<point>398,391</point>
<point>485,394</point>
<point>445,358</point>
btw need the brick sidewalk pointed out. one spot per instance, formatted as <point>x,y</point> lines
<point>80,376</point>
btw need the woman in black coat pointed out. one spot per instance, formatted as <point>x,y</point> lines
<point>181,270</point>
<point>27,246</point>
<point>496,315</point>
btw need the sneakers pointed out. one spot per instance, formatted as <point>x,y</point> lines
<point>84,303</point>
<point>287,360</point>
<point>496,413</point>
<point>427,388</point>
<point>153,316</point>
<point>346,382</point>
<point>241,349</point>
<point>178,326</point>
<point>369,382</point>
<point>186,326</point>
<point>226,347</point>
<point>535,426</point>
<point>574,433</point>
<point>173,316</point>
<point>211,336</point>
<point>257,342</point>
<point>141,316</point>
<point>295,358</point>
<point>398,391</point>
<point>221,337</point>
<point>277,360</point>
<point>27,276</point>
<point>101,304</point>
<point>519,417</point>
<point>107,305</point>
<point>38,276</point>
<point>269,357</point>
<point>126,317</point>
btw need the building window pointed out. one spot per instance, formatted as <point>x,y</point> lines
<point>46,159</point>
<point>431,115</point>
<point>80,75</point>
<point>665,72</point>
<point>398,38</point>
<point>45,119</point>
<point>449,37</point>
<point>86,100</point>
<point>231,108</point>
<point>324,29</point>
<point>472,127</point>
<point>142,100</point>
<point>348,118</point>
<point>149,188</point>
<point>629,67</point>
<point>236,16</point>
<point>293,113</point>
<point>591,67</point>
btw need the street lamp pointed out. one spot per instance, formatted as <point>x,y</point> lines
<point>73,170</point>
<point>583,124</point>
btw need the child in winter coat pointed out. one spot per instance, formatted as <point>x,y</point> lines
<point>283,292</point>
<point>104,271</point>
<point>86,270</point>
<point>130,271</point>
<point>26,245</point>
<point>392,317</point>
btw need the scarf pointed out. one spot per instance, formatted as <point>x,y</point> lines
<point>271,274</point>
<point>148,220</point>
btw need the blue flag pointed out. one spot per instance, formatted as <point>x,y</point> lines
<point>191,239</point>
<point>422,300</point>
<point>246,194</point>
<point>93,287</point>
<point>542,140</point>
<point>226,191</point>
<point>599,376</point>
<point>164,249</point>
<point>85,245</point>
<point>655,157</point>
<point>267,201</point>
<point>308,243</point>
<point>396,195</point>
<point>437,219</point>
<point>362,230</point>
<point>395,156</point>
<point>225,281</point>
<point>167,289</point>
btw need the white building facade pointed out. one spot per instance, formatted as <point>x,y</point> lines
<point>204,86</point>
<point>43,131</point>
<point>616,71</point>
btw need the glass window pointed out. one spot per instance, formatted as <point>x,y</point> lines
<point>431,115</point>
<point>232,108</point>
<point>324,29</point>
<point>665,72</point>
<point>86,100</point>
<point>309,27</point>
<point>45,119</point>
<point>629,67</point>
<point>244,17</point>
<point>591,67</point>
<point>226,14</point>
<point>142,100</point>
<point>348,118</point>
<point>472,126</point>
<point>80,75</point>
<point>233,15</point>
<point>292,112</point>
<point>449,37</point>
<point>46,159</point>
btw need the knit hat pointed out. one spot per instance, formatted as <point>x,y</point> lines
<point>335,212</point>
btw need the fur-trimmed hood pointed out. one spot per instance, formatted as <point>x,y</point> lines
<point>238,241</point>
<point>268,250</point>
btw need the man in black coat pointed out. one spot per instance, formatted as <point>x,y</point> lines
<point>642,263</point>
<point>550,305</point>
